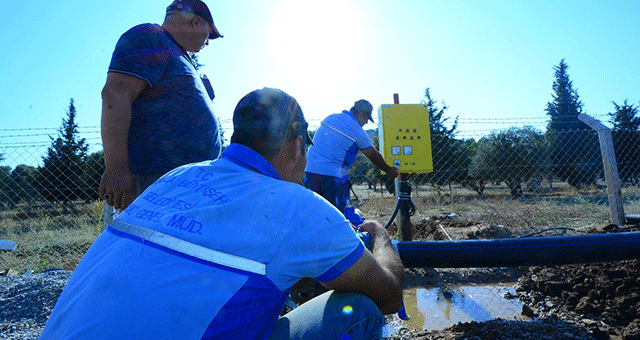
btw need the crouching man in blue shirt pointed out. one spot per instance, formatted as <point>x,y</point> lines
<point>212,249</point>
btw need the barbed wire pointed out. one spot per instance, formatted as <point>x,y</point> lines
<point>466,127</point>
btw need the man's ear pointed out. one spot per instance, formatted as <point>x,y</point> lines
<point>298,147</point>
<point>288,159</point>
<point>195,21</point>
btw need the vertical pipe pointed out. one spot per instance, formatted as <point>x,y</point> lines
<point>404,224</point>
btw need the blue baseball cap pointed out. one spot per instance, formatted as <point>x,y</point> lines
<point>196,7</point>
<point>363,106</point>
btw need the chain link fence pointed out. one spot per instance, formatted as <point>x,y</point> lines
<point>513,182</point>
<point>511,177</point>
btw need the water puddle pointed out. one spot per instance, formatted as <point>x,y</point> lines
<point>442,307</point>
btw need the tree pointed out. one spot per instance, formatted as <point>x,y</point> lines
<point>574,146</point>
<point>449,163</point>
<point>363,171</point>
<point>468,149</point>
<point>195,61</point>
<point>512,156</point>
<point>359,169</point>
<point>5,173</point>
<point>22,185</point>
<point>92,175</point>
<point>223,140</point>
<point>626,141</point>
<point>60,177</point>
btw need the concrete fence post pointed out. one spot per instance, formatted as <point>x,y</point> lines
<point>610,168</point>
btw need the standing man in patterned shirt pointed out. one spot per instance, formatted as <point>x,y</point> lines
<point>157,111</point>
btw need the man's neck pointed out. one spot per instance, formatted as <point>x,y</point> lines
<point>176,32</point>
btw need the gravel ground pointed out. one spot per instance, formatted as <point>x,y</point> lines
<point>26,302</point>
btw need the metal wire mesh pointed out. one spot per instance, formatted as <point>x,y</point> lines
<point>512,177</point>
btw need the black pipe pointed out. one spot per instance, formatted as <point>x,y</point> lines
<point>530,251</point>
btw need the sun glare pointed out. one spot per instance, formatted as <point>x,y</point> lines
<point>317,40</point>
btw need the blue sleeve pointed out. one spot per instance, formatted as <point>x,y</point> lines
<point>143,52</point>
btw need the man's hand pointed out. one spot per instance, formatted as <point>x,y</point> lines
<point>372,227</point>
<point>376,158</point>
<point>117,188</point>
<point>378,274</point>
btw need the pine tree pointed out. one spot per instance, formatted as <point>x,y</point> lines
<point>574,149</point>
<point>92,175</point>
<point>626,140</point>
<point>60,177</point>
<point>566,104</point>
<point>448,161</point>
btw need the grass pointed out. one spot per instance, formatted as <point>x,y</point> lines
<point>562,207</point>
<point>48,238</point>
<point>48,241</point>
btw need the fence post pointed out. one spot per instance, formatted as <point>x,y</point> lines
<point>610,168</point>
<point>107,215</point>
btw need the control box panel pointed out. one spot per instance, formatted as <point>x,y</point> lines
<point>405,138</point>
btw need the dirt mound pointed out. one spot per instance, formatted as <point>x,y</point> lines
<point>451,227</point>
<point>552,328</point>
<point>598,295</point>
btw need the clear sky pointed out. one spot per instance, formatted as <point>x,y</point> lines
<point>488,60</point>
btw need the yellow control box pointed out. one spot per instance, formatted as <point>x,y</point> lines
<point>405,138</point>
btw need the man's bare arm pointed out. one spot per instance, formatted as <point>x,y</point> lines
<point>118,94</point>
<point>379,275</point>
<point>376,158</point>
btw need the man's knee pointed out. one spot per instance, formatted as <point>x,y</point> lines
<point>349,303</point>
<point>367,320</point>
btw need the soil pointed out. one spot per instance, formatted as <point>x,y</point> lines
<point>584,301</point>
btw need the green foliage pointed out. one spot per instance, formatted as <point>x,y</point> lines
<point>468,149</point>
<point>223,141</point>
<point>5,173</point>
<point>566,105</point>
<point>626,141</point>
<point>450,158</point>
<point>92,176</point>
<point>362,170</point>
<point>22,185</point>
<point>359,169</point>
<point>574,147</point>
<point>625,118</point>
<point>195,61</point>
<point>513,156</point>
<point>60,177</point>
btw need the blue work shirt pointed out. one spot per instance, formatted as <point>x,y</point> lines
<point>209,251</point>
<point>336,144</point>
